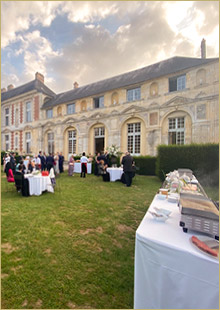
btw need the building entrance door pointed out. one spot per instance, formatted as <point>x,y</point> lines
<point>99,145</point>
<point>99,133</point>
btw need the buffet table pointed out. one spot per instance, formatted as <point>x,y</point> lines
<point>169,272</point>
<point>39,184</point>
<point>77,167</point>
<point>115,173</point>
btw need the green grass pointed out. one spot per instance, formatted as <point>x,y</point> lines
<point>73,248</point>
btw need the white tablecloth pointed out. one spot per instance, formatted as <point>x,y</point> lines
<point>39,184</point>
<point>115,173</point>
<point>77,168</point>
<point>169,272</point>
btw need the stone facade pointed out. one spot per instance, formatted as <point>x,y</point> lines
<point>158,116</point>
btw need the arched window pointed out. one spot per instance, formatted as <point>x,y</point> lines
<point>71,141</point>
<point>50,141</point>
<point>134,138</point>
<point>200,77</point>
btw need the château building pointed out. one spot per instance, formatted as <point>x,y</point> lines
<point>175,101</point>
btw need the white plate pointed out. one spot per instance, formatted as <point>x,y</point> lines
<point>211,242</point>
<point>159,217</point>
<point>162,211</point>
<point>161,197</point>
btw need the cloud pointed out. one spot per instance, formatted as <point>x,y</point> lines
<point>108,37</point>
<point>23,14</point>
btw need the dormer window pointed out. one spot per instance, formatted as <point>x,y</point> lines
<point>177,83</point>
<point>50,113</point>
<point>134,94</point>
<point>98,102</point>
<point>71,108</point>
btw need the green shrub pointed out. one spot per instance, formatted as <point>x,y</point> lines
<point>202,159</point>
<point>145,165</point>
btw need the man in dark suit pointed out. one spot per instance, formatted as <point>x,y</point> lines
<point>127,162</point>
<point>49,162</point>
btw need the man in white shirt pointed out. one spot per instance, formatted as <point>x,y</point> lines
<point>37,162</point>
<point>84,160</point>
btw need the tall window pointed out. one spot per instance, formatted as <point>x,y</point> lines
<point>50,113</point>
<point>28,142</point>
<point>177,83</point>
<point>72,141</point>
<point>7,142</point>
<point>134,138</point>
<point>28,111</point>
<point>134,94</point>
<point>7,117</point>
<point>176,130</point>
<point>50,139</point>
<point>16,141</point>
<point>71,108</point>
<point>98,102</point>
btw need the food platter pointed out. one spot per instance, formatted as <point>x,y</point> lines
<point>212,244</point>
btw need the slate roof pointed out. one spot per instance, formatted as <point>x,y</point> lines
<point>33,85</point>
<point>169,66</point>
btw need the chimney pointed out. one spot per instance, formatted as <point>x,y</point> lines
<point>3,90</point>
<point>39,76</point>
<point>10,87</point>
<point>75,85</point>
<point>203,48</point>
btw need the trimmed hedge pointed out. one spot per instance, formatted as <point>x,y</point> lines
<point>145,165</point>
<point>202,159</point>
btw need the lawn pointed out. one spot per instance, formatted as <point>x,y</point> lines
<point>73,248</point>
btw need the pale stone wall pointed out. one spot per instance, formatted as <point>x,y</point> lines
<point>198,103</point>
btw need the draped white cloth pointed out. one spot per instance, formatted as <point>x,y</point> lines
<point>77,167</point>
<point>39,184</point>
<point>169,272</point>
<point>115,173</point>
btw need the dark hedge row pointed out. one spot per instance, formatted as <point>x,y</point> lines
<point>202,159</point>
<point>145,165</point>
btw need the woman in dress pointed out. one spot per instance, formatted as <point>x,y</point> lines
<point>71,166</point>
<point>56,163</point>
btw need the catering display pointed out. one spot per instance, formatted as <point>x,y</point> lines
<point>199,213</point>
<point>184,266</point>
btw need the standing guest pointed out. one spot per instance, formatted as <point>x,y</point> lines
<point>13,162</point>
<point>97,162</point>
<point>49,162</point>
<point>71,166</point>
<point>30,166</point>
<point>56,163</point>
<point>40,157</point>
<point>6,160</point>
<point>19,177</point>
<point>127,162</point>
<point>106,155</point>
<point>84,160</point>
<point>43,161</point>
<point>61,161</point>
<point>20,165</point>
<point>37,162</point>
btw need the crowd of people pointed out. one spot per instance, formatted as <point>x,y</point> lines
<point>43,162</point>
<point>15,169</point>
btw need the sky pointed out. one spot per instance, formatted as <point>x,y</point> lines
<point>88,41</point>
